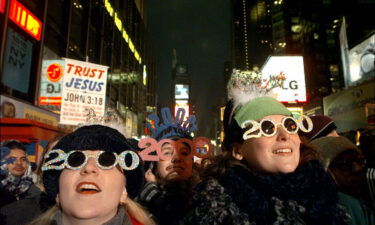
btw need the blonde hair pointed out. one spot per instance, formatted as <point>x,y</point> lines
<point>138,212</point>
<point>46,218</point>
<point>134,210</point>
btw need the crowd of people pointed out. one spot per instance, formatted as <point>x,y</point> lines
<point>273,169</point>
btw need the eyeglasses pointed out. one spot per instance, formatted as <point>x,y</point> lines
<point>77,159</point>
<point>268,128</point>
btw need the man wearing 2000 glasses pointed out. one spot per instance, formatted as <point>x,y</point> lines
<point>168,190</point>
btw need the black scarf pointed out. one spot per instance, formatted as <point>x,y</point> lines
<point>306,196</point>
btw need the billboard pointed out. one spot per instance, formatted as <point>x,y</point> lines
<point>84,86</point>
<point>348,108</point>
<point>17,61</point>
<point>182,104</point>
<point>361,61</point>
<point>50,82</point>
<point>294,88</point>
<point>344,52</point>
<point>21,16</point>
<point>181,91</point>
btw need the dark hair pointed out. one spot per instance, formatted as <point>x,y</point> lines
<point>133,143</point>
<point>13,144</point>
<point>233,132</point>
<point>307,153</point>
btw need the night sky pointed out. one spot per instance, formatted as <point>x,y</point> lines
<point>200,32</point>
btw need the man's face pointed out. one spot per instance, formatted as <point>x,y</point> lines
<point>179,166</point>
<point>348,172</point>
<point>19,165</point>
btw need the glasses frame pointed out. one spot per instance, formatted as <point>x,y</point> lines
<point>258,126</point>
<point>63,157</point>
<point>88,155</point>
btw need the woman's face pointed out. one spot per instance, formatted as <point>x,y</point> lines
<point>91,193</point>
<point>271,155</point>
<point>179,167</point>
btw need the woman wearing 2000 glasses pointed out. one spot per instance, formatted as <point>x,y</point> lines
<point>93,173</point>
<point>263,176</point>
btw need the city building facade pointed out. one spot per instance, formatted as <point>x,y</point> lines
<point>110,33</point>
<point>313,29</point>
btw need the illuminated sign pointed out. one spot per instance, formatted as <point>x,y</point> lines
<point>294,88</point>
<point>21,16</point>
<point>361,61</point>
<point>54,72</point>
<point>50,82</point>
<point>49,100</point>
<point>181,91</point>
<point>122,30</point>
<point>144,75</point>
<point>17,61</point>
<point>348,107</point>
<point>344,52</point>
<point>2,6</point>
<point>182,104</point>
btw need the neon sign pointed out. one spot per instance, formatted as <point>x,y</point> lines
<point>2,6</point>
<point>21,16</point>
<point>49,100</point>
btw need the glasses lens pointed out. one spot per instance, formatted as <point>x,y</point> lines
<point>107,159</point>
<point>290,125</point>
<point>249,126</point>
<point>76,159</point>
<point>268,127</point>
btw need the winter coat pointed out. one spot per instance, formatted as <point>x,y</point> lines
<point>241,197</point>
<point>167,204</point>
<point>20,211</point>
<point>359,212</point>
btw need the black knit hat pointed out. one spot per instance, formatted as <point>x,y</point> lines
<point>323,125</point>
<point>91,138</point>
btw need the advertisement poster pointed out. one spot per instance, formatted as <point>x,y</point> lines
<point>17,62</point>
<point>361,60</point>
<point>83,88</point>
<point>50,82</point>
<point>348,108</point>
<point>181,91</point>
<point>294,87</point>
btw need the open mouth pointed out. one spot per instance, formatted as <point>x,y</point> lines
<point>87,188</point>
<point>282,151</point>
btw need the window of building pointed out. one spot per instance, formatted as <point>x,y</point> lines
<point>78,30</point>
<point>295,20</point>
<point>56,26</point>
<point>95,31</point>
